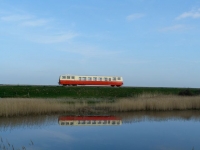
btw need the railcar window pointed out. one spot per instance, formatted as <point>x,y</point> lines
<point>100,79</point>
<point>68,77</point>
<point>113,122</point>
<point>118,78</point>
<point>95,78</point>
<point>63,77</point>
<point>89,79</point>
<point>82,122</point>
<point>114,78</point>
<point>109,79</point>
<point>72,77</point>
<point>83,78</point>
<point>106,79</point>
<point>62,123</point>
<point>79,78</point>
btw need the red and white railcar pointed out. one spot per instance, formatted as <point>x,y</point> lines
<point>89,120</point>
<point>90,80</point>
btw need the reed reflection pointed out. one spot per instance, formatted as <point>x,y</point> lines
<point>26,122</point>
<point>131,117</point>
<point>127,117</point>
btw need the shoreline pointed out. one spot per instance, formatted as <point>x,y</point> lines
<point>10,107</point>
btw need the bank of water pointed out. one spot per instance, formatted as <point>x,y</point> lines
<point>10,107</point>
<point>137,130</point>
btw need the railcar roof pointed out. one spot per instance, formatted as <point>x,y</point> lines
<point>89,75</point>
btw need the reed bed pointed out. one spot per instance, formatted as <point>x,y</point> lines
<point>26,106</point>
<point>145,102</point>
<point>154,103</point>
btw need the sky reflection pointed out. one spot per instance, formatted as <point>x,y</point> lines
<point>141,130</point>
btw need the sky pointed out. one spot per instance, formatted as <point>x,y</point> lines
<point>150,43</point>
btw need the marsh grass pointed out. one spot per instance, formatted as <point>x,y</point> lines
<point>154,103</point>
<point>26,106</point>
<point>145,102</point>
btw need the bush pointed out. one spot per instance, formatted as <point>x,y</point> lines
<point>186,92</point>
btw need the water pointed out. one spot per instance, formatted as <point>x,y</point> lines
<point>177,130</point>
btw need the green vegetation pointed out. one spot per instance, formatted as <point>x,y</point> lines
<point>89,92</point>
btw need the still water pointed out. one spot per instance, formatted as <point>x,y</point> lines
<point>177,130</point>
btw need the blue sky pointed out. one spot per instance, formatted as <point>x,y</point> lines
<point>153,43</point>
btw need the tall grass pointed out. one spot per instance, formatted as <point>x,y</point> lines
<point>154,103</point>
<point>20,106</point>
<point>145,102</point>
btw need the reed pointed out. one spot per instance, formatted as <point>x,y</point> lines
<point>6,145</point>
<point>145,102</point>
<point>154,103</point>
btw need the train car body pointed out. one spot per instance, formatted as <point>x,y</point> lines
<point>89,120</point>
<point>90,80</point>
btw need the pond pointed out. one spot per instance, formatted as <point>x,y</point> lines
<point>176,130</point>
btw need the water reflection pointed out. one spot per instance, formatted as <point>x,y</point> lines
<point>89,120</point>
<point>131,117</point>
<point>27,122</point>
<point>134,130</point>
<point>109,119</point>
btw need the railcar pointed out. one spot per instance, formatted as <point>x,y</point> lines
<point>74,80</point>
<point>89,120</point>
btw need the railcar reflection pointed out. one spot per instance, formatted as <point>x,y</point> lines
<point>89,121</point>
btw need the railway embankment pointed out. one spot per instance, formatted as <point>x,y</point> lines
<point>89,91</point>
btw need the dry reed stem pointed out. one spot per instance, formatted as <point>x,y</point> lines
<point>145,102</point>
<point>156,103</point>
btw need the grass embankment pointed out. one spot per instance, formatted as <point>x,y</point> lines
<point>146,102</point>
<point>88,91</point>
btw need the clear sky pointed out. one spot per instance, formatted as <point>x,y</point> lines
<point>151,43</point>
